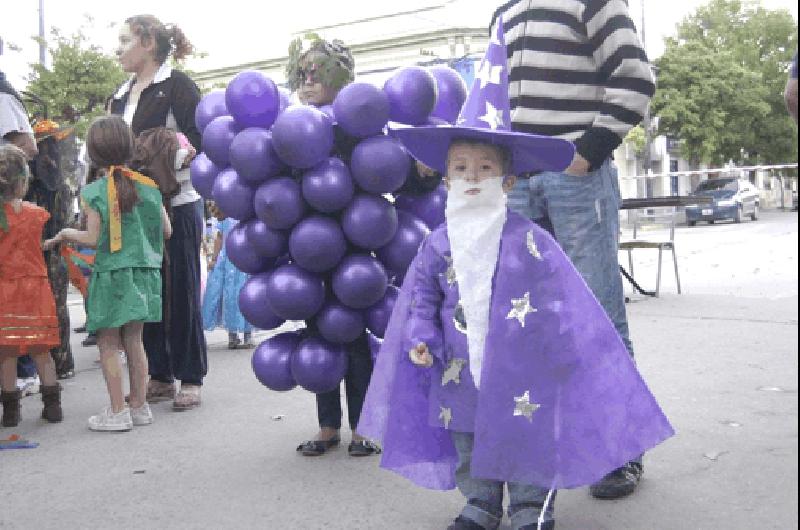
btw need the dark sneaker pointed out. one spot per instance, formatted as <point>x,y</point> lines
<point>90,340</point>
<point>462,523</point>
<point>619,483</point>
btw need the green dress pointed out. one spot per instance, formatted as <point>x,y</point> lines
<point>126,285</point>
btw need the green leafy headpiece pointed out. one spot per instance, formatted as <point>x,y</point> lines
<point>334,68</point>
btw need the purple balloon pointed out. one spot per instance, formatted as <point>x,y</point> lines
<point>243,255</point>
<point>360,281</point>
<point>294,293</point>
<point>253,99</point>
<point>374,344</point>
<point>211,106</point>
<point>370,221</point>
<point>319,366</point>
<point>265,241</point>
<point>378,315</point>
<point>429,206</point>
<point>362,110</point>
<point>339,324</point>
<point>451,93</point>
<point>302,136</point>
<point>328,187</point>
<point>380,164</point>
<point>272,361</point>
<point>317,244</point>
<point>398,254</point>
<point>203,172</point>
<point>253,157</point>
<point>253,303</point>
<point>234,195</point>
<point>279,203</point>
<point>217,138</point>
<point>412,95</point>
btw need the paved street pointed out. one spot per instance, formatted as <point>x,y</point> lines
<point>722,359</point>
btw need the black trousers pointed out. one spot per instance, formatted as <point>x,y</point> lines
<point>179,350</point>
<point>356,382</point>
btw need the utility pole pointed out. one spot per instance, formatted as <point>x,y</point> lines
<point>646,122</point>
<point>42,43</point>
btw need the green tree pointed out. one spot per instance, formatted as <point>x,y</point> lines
<point>80,81</point>
<point>721,80</point>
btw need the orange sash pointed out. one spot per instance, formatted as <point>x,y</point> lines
<point>114,213</point>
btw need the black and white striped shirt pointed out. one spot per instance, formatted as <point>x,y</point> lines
<point>577,70</point>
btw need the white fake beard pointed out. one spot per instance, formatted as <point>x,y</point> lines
<point>474,228</point>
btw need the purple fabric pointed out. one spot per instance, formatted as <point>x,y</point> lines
<point>596,411</point>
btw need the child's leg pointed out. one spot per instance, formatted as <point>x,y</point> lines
<point>8,372</point>
<point>137,361</point>
<point>484,497</point>
<point>46,368</point>
<point>108,340</point>
<point>531,506</point>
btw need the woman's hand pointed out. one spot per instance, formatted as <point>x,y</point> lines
<point>421,355</point>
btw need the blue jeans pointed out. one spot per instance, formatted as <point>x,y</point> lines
<point>582,213</point>
<point>485,497</point>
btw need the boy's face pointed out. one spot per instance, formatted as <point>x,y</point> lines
<point>475,163</point>
<point>312,91</point>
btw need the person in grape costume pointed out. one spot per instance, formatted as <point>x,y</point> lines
<point>221,297</point>
<point>499,367</point>
<point>317,70</point>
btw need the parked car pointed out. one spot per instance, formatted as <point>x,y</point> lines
<point>732,198</point>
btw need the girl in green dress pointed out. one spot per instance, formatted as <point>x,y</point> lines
<point>127,224</point>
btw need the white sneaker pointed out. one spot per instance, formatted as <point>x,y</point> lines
<point>142,415</point>
<point>28,385</point>
<point>108,421</point>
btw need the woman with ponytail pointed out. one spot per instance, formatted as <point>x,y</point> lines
<point>127,223</point>
<point>158,96</point>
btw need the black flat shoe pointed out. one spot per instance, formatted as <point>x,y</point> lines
<point>462,523</point>
<point>80,329</point>
<point>363,448</point>
<point>619,483</point>
<point>317,447</point>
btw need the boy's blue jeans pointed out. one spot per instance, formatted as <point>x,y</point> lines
<point>485,497</point>
<point>583,215</point>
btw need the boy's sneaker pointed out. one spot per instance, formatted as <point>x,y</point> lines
<point>619,483</point>
<point>108,421</point>
<point>142,415</point>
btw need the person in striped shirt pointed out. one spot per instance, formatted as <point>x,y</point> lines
<point>578,71</point>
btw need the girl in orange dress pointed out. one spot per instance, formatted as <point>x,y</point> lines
<point>28,322</point>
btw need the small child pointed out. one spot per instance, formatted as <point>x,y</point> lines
<point>28,321</point>
<point>127,223</point>
<point>499,368</point>
<point>221,298</point>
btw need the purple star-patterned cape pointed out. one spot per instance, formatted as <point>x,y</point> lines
<point>590,411</point>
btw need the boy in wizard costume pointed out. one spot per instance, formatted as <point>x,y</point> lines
<point>499,366</point>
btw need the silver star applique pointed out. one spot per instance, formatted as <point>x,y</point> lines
<point>489,74</point>
<point>532,248</point>
<point>493,116</point>
<point>450,273</point>
<point>521,308</point>
<point>524,407</point>
<point>453,372</point>
<point>446,415</point>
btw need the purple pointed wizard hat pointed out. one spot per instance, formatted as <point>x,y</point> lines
<point>486,117</point>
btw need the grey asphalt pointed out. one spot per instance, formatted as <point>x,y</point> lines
<point>722,359</point>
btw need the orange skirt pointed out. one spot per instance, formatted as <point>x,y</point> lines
<point>28,321</point>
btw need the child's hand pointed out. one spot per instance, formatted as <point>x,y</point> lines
<point>51,243</point>
<point>421,355</point>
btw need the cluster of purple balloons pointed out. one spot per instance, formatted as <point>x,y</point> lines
<point>323,242</point>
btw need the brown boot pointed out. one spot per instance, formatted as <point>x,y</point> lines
<point>10,401</point>
<point>51,397</point>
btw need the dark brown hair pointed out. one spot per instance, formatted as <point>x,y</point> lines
<point>169,38</point>
<point>109,142</point>
<point>13,171</point>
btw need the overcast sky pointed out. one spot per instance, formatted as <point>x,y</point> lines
<point>240,33</point>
